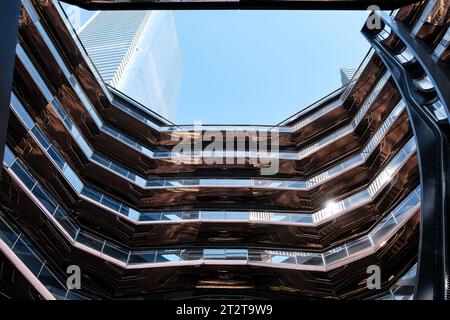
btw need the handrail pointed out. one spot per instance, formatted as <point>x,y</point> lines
<point>315,105</point>
<point>37,265</point>
<point>167,155</point>
<point>279,125</point>
<point>308,260</point>
<point>109,204</point>
<point>357,73</point>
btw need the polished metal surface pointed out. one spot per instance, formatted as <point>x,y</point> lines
<point>91,179</point>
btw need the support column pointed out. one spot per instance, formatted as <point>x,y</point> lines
<point>433,151</point>
<point>9,25</point>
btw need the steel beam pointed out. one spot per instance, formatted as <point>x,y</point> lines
<point>433,150</point>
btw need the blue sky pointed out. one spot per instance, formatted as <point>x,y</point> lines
<point>260,67</point>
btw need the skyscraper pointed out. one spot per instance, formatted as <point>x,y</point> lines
<point>137,53</point>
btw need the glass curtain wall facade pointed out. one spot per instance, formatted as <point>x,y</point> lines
<point>137,52</point>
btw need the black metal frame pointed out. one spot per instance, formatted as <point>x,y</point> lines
<point>10,9</point>
<point>432,139</point>
<point>240,4</point>
<point>9,25</point>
